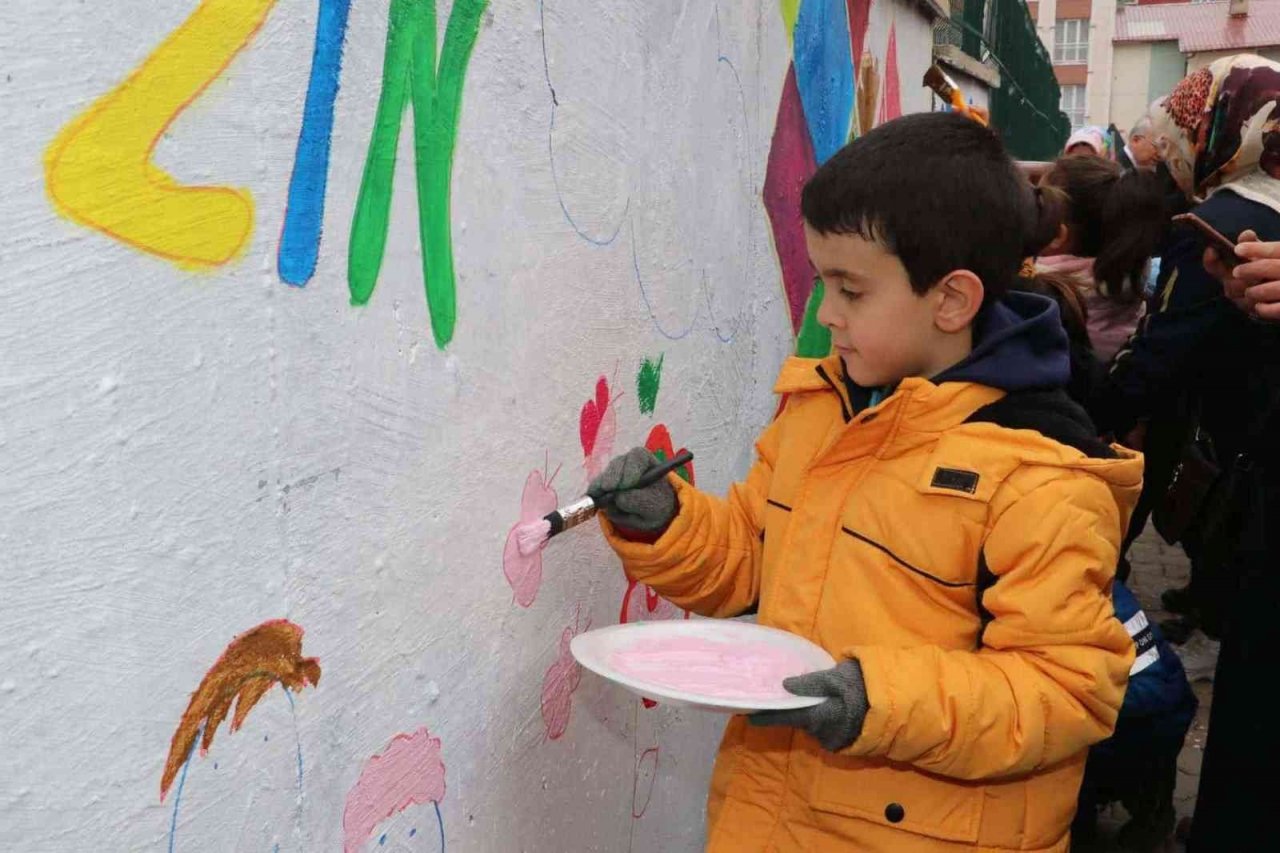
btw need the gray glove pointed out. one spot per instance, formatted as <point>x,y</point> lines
<point>645,510</point>
<point>837,722</point>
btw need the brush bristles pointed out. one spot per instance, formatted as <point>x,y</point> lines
<point>531,537</point>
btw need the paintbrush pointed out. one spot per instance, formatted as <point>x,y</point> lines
<point>946,89</point>
<point>531,537</point>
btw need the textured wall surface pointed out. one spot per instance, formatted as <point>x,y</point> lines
<point>303,305</point>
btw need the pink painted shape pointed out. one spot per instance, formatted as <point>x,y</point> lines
<point>524,571</point>
<point>558,684</point>
<point>646,770</point>
<point>891,103</point>
<point>859,16</point>
<point>408,772</point>
<point>742,671</point>
<point>642,604</point>
<point>791,163</point>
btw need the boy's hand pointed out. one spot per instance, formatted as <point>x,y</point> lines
<point>646,510</point>
<point>837,722</point>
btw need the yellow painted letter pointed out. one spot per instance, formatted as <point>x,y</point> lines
<point>99,173</point>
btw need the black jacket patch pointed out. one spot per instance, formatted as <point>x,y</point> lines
<point>955,479</point>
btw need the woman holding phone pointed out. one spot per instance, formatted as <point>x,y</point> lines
<point>1220,139</point>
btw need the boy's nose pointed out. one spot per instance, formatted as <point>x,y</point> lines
<point>827,315</point>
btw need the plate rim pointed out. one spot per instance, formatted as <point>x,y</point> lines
<point>696,700</point>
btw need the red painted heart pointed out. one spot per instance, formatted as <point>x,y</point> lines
<point>592,414</point>
<point>659,444</point>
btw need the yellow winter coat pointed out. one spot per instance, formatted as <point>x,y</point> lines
<point>966,565</point>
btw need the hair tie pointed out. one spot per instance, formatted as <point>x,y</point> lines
<point>1028,268</point>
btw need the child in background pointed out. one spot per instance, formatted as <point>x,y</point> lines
<point>1138,765</point>
<point>1092,141</point>
<point>1115,220</point>
<point>931,508</point>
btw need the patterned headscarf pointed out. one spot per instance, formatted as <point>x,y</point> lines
<point>1220,127</point>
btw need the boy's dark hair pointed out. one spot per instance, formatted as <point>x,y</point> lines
<point>939,191</point>
<point>1116,218</point>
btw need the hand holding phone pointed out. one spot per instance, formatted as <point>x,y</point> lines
<point>1225,248</point>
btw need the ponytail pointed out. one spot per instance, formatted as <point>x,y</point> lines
<point>1133,220</point>
<point>1115,218</point>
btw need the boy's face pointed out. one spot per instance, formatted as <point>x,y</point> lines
<point>881,328</point>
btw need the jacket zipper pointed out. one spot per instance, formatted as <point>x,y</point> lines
<point>844,405</point>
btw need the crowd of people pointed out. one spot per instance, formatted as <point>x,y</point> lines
<point>1177,358</point>
<point>1028,366</point>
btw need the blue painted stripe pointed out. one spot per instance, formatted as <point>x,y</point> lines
<point>824,73</point>
<point>304,216</point>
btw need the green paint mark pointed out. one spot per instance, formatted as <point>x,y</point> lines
<point>647,382</point>
<point>410,72</point>
<point>814,340</point>
<point>790,11</point>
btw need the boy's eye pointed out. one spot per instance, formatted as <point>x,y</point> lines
<point>851,295</point>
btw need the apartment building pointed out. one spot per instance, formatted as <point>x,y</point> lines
<point>1078,36</point>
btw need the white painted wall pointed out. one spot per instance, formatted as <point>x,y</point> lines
<point>186,454</point>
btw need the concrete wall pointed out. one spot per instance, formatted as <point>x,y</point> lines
<point>269,369</point>
<point>1130,83</point>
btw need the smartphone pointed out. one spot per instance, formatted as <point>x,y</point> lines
<point>1225,248</point>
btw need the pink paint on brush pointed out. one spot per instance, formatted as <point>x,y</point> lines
<point>738,671</point>
<point>524,571</point>
<point>408,772</point>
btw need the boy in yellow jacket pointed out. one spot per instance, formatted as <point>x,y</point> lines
<point>930,508</point>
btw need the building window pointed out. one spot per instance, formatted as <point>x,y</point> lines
<point>1073,105</point>
<point>1071,42</point>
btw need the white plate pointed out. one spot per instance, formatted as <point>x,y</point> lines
<point>596,650</point>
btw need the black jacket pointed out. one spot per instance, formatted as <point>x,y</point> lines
<point>1195,340</point>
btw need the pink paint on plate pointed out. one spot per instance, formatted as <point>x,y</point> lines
<point>733,671</point>
<point>408,772</point>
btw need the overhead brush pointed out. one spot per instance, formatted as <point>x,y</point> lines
<point>532,536</point>
<point>945,88</point>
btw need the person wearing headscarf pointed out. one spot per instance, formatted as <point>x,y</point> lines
<point>1090,141</point>
<point>1218,134</point>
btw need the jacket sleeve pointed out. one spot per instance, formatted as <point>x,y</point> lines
<point>1049,675</point>
<point>708,560</point>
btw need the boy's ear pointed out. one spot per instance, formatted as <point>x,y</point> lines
<point>958,298</point>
